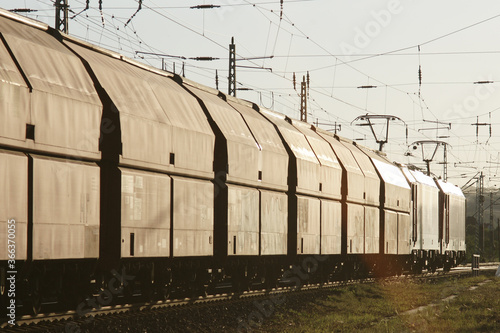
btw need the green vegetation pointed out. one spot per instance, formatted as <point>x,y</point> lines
<point>489,248</point>
<point>381,307</point>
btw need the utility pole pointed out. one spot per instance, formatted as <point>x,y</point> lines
<point>62,9</point>
<point>479,205</point>
<point>231,79</point>
<point>303,100</point>
<point>445,164</point>
<point>216,80</point>
<point>490,226</point>
<point>232,69</point>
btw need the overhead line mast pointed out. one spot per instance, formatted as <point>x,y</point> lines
<point>62,9</point>
<point>477,124</point>
<point>303,100</point>
<point>231,86</point>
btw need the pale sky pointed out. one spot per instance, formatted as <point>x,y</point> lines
<point>343,45</point>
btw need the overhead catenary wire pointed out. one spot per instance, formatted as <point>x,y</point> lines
<point>315,90</point>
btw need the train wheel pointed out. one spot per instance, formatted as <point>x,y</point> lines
<point>271,280</point>
<point>195,287</point>
<point>36,303</point>
<point>129,291</point>
<point>100,282</point>
<point>196,290</point>
<point>241,284</point>
<point>165,292</point>
<point>417,267</point>
<point>147,290</point>
<point>164,285</point>
<point>3,281</point>
<point>35,297</point>
<point>72,290</point>
<point>447,266</point>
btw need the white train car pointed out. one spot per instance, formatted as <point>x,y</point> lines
<point>425,243</point>
<point>451,224</point>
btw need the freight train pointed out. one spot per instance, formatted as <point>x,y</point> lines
<point>109,166</point>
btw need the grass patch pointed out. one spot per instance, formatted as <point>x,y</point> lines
<point>471,311</point>
<point>380,307</point>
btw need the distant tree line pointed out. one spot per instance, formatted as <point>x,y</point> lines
<point>484,243</point>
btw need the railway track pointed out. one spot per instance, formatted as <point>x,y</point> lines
<point>70,321</point>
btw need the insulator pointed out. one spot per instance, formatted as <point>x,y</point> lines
<point>204,58</point>
<point>22,10</point>
<point>204,6</point>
